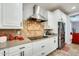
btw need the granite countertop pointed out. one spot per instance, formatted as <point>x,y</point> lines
<point>13,43</point>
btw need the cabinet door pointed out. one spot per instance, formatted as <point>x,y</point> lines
<point>12,15</point>
<point>41,48</point>
<point>52,22</point>
<point>28,49</point>
<point>53,43</point>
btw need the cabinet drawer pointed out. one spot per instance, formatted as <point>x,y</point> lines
<point>28,52</point>
<point>15,53</point>
<point>20,48</point>
<point>41,46</point>
<point>41,53</point>
<point>13,49</point>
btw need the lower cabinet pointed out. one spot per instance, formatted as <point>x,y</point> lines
<point>44,47</point>
<point>38,48</point>
<point>22,50</point>
<point>54,43</point>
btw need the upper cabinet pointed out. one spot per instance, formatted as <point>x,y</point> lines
<point>60,16</point>
<point>11,16</point>
<point>52,22</point>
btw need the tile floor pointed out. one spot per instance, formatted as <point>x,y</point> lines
<point>69,50</point>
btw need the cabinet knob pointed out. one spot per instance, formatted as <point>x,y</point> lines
<point>4,53</point>
<point>21,54</point>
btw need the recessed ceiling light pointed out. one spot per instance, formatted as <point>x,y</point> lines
<point>74,7</point>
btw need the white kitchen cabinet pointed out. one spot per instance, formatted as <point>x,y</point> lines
<point>44,47</point>
<point>54,43</point>
<point>38,48</point>
<point>22,50</point>
<point>28,52</point>
<point>16,53</point>
<point>52,22</point>
<point>11,16</point>
<point>28,49</point>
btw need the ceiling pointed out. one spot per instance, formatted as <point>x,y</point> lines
<point>65,7</point>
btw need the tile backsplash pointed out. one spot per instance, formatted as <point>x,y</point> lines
<point>32,28</point>
<point>7,31</point>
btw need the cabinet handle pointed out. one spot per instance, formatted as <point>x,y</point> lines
<point>22,47</point>
<point>43,46</point>
<point>23,53</point>
<point>4,53</point>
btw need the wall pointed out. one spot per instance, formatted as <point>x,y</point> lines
<point>68,30</point>
<point>27,10</point>
<point>76,26</point>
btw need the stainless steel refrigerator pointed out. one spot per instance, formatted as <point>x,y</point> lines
<point>61,35</point>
